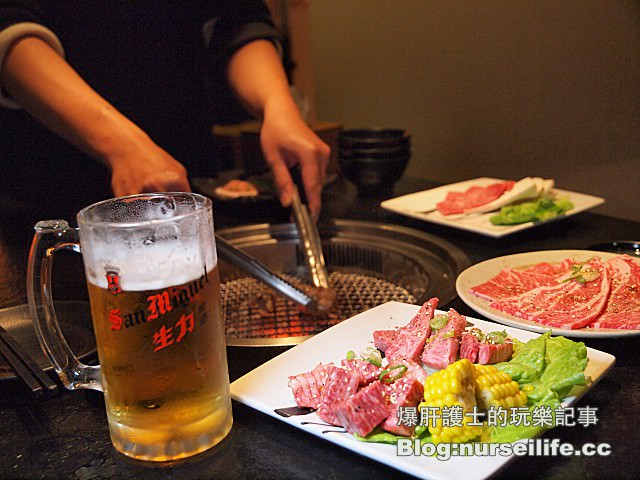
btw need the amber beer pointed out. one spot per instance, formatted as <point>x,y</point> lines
<point>164,368</point>
<point>151,267</point>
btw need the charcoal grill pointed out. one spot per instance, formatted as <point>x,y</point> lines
<point>368,263</point>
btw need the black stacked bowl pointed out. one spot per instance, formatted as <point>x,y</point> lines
<point>374,158</point>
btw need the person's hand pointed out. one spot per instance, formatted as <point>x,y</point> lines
<point>287,141</point>
<point>257,77</point>
<point>147,169</point>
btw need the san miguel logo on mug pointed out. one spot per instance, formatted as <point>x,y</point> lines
<point>173,306</point>
<point>113,279</point>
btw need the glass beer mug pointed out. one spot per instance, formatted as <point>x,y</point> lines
<point>152,274</point>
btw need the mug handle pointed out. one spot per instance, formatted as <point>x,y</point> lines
<point>51,236</point>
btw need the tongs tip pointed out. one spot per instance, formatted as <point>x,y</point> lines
<point>323,300</point>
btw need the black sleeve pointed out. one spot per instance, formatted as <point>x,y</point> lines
<point>236,23</point>
<point>18,11</point>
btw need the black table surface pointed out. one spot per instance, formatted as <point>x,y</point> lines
<point>66,435</point>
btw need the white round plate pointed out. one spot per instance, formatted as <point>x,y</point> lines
<point>484,271</point>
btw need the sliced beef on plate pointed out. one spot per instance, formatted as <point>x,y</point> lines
<point>552,269</point>
<point>490,353</point>
<point>404,392</point>
<point>307,387</point>
<point>623,306</point>
<point>340,385</point>
<point>368,371</point>
<point>442,348</point>
<point>511,282</point>
<point>363,411</point>
<point>474,196</point>
<point>568,304</point>
<point>408,341</point>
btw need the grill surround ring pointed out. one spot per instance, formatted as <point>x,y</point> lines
<point>419,264</point>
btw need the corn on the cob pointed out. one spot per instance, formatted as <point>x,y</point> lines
<point>451,387</point>
<point>495,388</point>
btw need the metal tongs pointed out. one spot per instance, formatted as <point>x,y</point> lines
<point>260,271</point>
<point>321,298</point>
<point>312,252</point>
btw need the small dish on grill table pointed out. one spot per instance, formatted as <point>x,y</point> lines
<point>266,389</point>
<point>422,206</point>
<point>259,188</point>
<point>484,271</point>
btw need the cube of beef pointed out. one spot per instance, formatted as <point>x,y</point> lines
<point>368,371</point>
<point>362,412</point>
<point>415,371</point>
<point>307,387</point>
<point>489,353</point>
<point>469,347</point>
<point>441,352</point>
<point>383,339</point>
<point>408,341</point>
<point>404,392</point>
<point>457,323</point>
<point>340,385</point>
<point>442,348</point>
<point>478,348</point>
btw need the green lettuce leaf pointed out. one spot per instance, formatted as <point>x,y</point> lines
<point>379,436</point>
<point>538,210</point>
<point>528,361</point>
<point>565,364</point>
<point>546,368</point>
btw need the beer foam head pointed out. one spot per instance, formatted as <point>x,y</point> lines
<point>147,241</point>
<point>148,267</point>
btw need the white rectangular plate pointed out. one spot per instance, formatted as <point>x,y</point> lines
<point>421,205</point>
<point>266,389</point>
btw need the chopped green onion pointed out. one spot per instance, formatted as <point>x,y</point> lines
<point>439,321</point>
<point>479,334</point>
<point>497,338</point>
<point>582,276</point>
<point>384,375</point>
<point>449,334</point>
<point>351,355</point>
<point>372,355</point>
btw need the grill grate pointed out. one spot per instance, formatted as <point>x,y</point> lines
<point>368,263</point>
<point>254,314</point>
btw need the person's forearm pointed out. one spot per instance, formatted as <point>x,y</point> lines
<point>256,74</point>
<point>260,60</point>
<point>49,89</point>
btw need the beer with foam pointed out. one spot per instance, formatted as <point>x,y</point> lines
<point>152,275</point>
